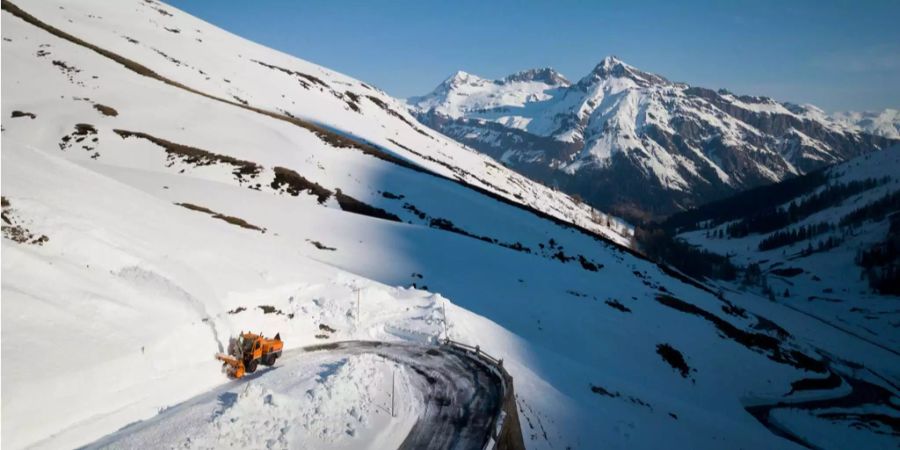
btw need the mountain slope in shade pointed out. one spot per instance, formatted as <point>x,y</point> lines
<point>622,138</point>
<point>149,213</point>
<point>827,243</point>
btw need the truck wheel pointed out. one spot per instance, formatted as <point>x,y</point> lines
<point>252,366</point>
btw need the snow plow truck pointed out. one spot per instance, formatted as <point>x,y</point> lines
<point>248,351</point>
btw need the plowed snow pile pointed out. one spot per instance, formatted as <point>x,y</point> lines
<point>312,401</point>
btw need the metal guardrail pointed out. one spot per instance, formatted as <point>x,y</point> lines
<point>505,430</point>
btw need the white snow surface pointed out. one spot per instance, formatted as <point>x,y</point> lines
<point>884,123</point>
<point>221,64</point>
<point>118,313</point>
<point>313,401</point>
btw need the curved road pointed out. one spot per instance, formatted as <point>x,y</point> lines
<point>862,394</point>
<point>462,396</point>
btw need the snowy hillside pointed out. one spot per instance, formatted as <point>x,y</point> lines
<point>808,249</point>
<point>245,74</point>
<point>166,185</point>
<point>885,123</point>
<point>620,127</point>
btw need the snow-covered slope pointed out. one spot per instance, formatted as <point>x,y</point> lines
<point>885,123</point>
<point>620,127</point>
<point>810,247</point>
<point>147,219</point>
<point>230,68</point>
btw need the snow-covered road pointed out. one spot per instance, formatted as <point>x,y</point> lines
<point>336,396</point>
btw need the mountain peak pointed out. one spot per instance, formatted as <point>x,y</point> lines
<point>610,62</point>
<point>545,75</point>
<point>460,78</point>
<point>459,75</point>
<point>613,67</point>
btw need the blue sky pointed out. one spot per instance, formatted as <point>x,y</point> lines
<point>838,55</point>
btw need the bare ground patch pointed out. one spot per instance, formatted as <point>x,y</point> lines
<point>230,219</point>
<point>381,104</point>
<point>69,70</point>
<point>353,205</point>
<point>600,390</point>
<point>303,78</point>
<point>392,196</point>
<point>325,331</point>
<point>674,358</point>
<point>16,114</point>
<point>293,183</point>
<point>197,157</point>
<point>13,227</point>
<point>106,110</point>
<point>84,136</point>
<point>321,246</point>
<point>615,304</point>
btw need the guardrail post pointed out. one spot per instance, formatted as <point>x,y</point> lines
<point>505,426</point>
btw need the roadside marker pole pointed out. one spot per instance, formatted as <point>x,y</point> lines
<point>392,392</point>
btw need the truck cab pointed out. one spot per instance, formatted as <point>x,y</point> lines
<point>256,349</point>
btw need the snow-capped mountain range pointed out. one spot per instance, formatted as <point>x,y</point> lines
<point>620,128</point>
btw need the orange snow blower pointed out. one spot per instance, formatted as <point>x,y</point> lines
<point>248,351</point>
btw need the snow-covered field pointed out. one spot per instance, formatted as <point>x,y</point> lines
<point>148,223</point>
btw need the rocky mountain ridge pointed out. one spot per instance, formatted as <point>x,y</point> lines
<point>635,142</point>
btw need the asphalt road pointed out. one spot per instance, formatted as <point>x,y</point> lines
<point>462,396</point>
